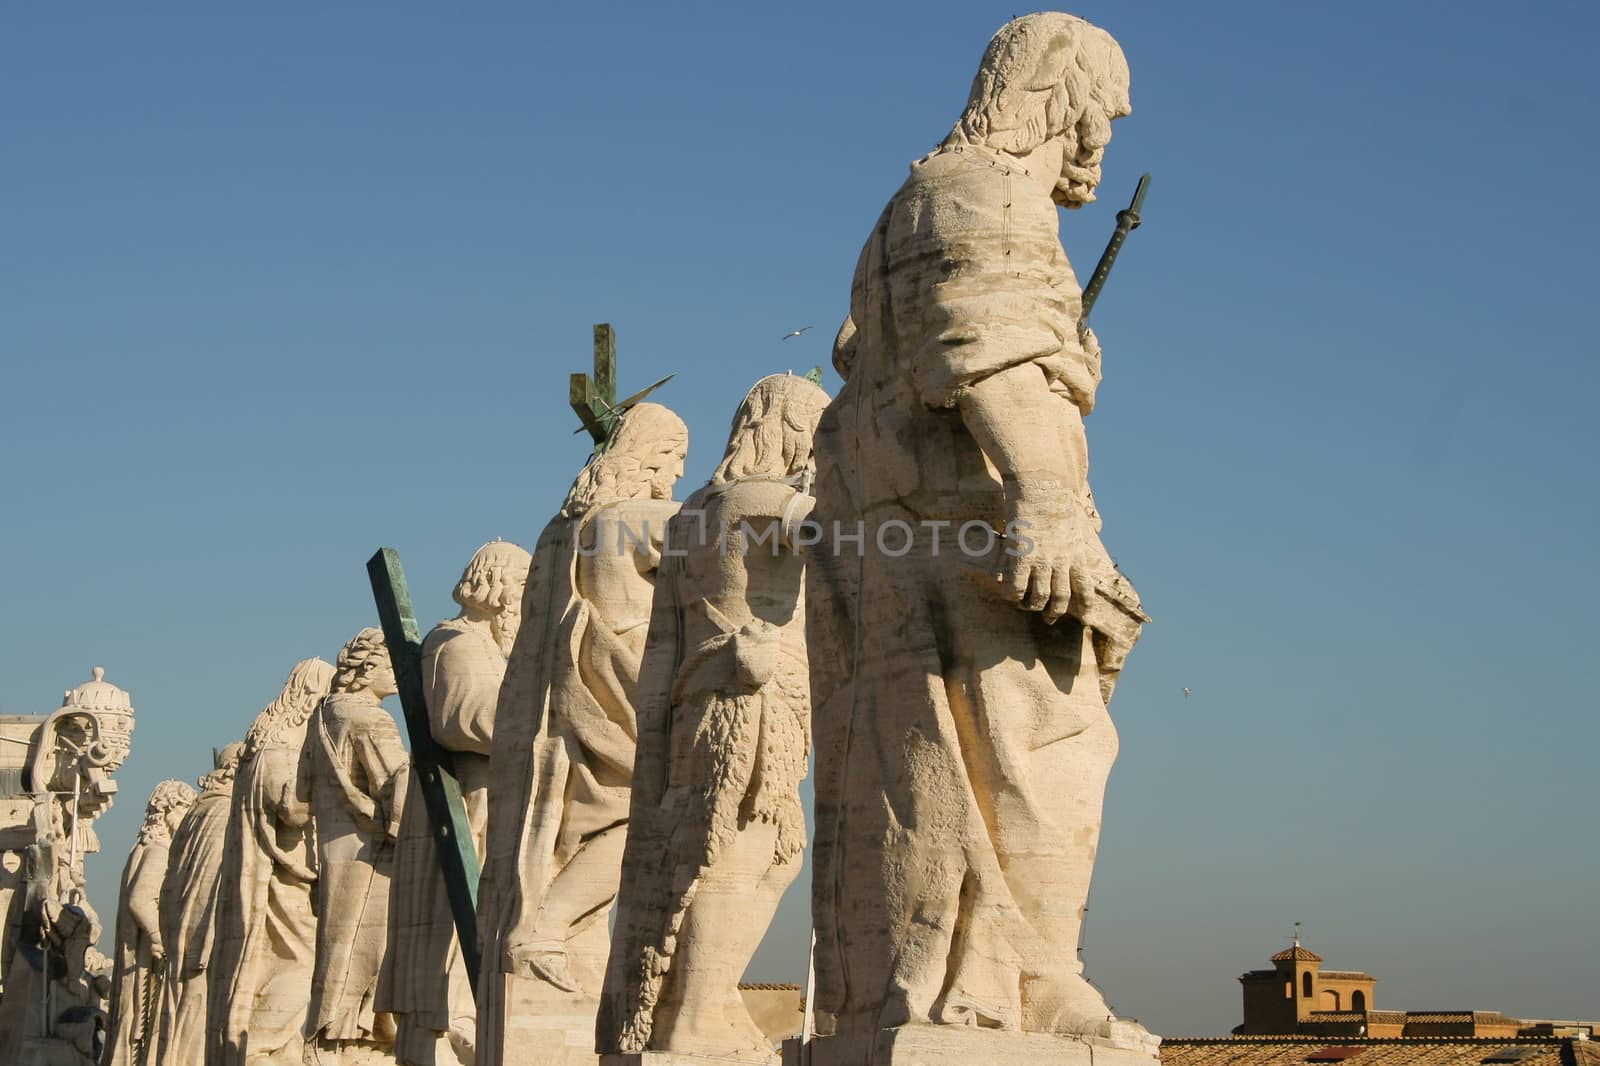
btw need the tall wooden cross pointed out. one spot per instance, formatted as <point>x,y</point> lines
<point>594,399</point>
<point>432,763</point>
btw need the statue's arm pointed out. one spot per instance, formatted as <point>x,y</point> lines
<point>144,895</point>
<point>1013,415</point>
<point>379,753</point>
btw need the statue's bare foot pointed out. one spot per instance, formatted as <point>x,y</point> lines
<point>1068,1004</point>
<point>550,967</point>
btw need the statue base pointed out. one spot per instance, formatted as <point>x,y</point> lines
<point>951,1045</point>
<point>681,1058</point>
<point>545,1026</point>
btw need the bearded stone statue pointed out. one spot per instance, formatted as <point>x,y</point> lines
<point>960,687</point>
<point>717,829</point>
<point>356,771</point>
<point>188,914</point>
<point>266,925</point>
<point>424,981</point>
<point>140,951</point>
<point>564,748</point>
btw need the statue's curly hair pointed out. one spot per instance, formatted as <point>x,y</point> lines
<point>166,797</point>
<point>494,578</point>
<point>305,689</point>
<point>1039,76</point>
<point>365,653</point>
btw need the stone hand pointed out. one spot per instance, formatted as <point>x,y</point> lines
<point>1043,568</point>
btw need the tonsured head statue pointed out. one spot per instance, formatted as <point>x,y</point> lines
<point>1045,77</point>
<point>491,588</point>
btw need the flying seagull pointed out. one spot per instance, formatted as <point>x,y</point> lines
<point>1186,693</point>
<point>794,332</point>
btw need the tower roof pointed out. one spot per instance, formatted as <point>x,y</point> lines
<point>1297,954</point>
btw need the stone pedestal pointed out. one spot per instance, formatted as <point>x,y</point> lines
<point>547,1027</point>
<point>942,1045</point>
<point>675,1058</point>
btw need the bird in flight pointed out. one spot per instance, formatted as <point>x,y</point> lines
<point>1186,693</point>
<point>795,332</point>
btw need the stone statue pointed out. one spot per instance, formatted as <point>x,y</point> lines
<point>959,696</point>
<point>188,915</point>
<point>55,781</point>
<point>564,742</point>
<point>717,829</point>
<point>424,981</point>
<point>140,953</point>
<point>358,771</point>
<point>260,974</point>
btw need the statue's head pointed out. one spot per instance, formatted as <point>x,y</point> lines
<point>773,429</point>
<point>1046,77</point>
<point>169,802</point>
<point>491,587</point>
<point>364,665</point>
<point>643,460</point>
<point>225,768</point>
<point>306,687</point>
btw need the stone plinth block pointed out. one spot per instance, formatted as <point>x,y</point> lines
<point>949,1045</point>
<point>684,1058</point>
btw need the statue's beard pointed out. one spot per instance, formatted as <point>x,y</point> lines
<point>1077,183</point>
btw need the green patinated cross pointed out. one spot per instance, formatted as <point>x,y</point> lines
<point>594,399</point>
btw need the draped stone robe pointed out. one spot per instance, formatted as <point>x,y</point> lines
<point>962,744</point>
<point>358,771</point>
<point>265,951</point>
<point>188,922</point>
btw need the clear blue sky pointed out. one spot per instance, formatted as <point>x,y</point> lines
<point>277,289</point>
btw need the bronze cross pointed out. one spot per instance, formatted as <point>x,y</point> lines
<point>594,399</point>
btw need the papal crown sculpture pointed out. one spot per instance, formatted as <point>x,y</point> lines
<point>55,781</point>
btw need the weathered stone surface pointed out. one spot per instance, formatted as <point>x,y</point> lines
<point>358,771</point>
<point>564,744</point>
<point>55,780</point>
<point>260,976</point>
<point>960,685</point>
<point>424,981</point>
<point>140,952</point>
<point>188,915</point>
<point>946,1045</point>
<point>717,829</point>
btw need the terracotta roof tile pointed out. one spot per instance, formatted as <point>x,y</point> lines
<point>1297,954</point>
<point>1294,1051</point>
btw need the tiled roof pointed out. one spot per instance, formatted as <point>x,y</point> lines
<point>1297,954</point>
<point>1294,1051</point>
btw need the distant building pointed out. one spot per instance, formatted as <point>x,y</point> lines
<point>1297,990</point>
<point>1297,997</point>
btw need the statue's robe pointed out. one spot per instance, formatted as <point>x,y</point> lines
<point>188,924</point>
<point>358,770</point>
<point>564,745</point>
<point>424,980</point>
<point>962,744</point>
<point>131,1024</point>
<point>261,966</point>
